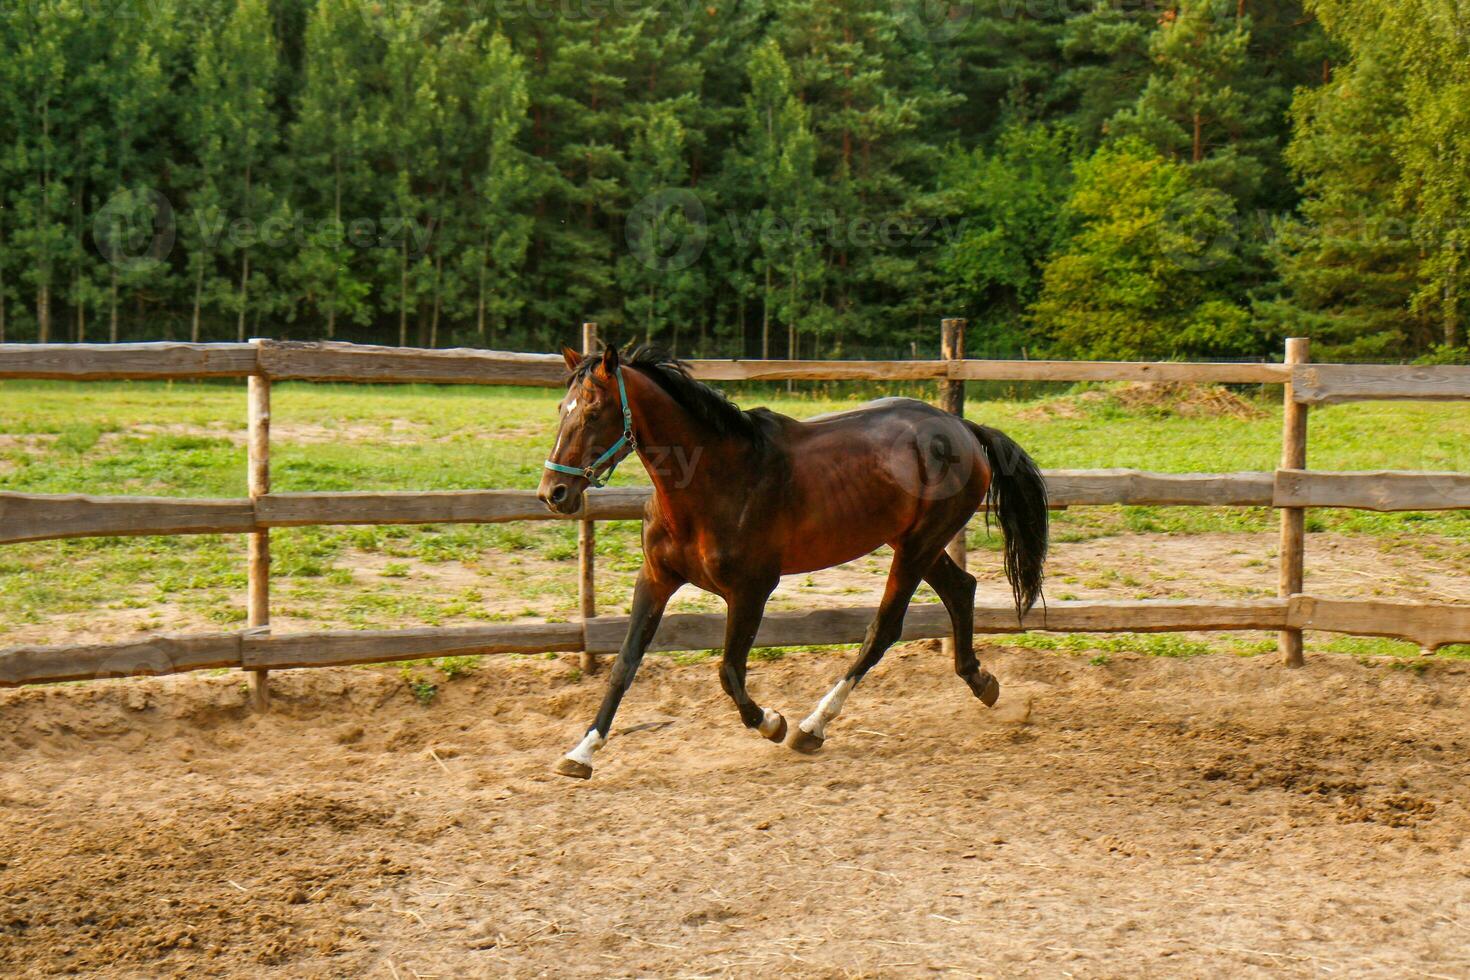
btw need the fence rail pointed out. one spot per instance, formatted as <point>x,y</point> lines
<point>35,517</point>
<point>42,517</point>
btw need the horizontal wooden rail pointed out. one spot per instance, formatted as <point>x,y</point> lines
<point>1320,384</point>
<point>1428,625</point>
<point>332,361</point>
<point>702,631</point>
<point>40,517</point>
<point>1181,371</point>
<point>288,361</point>
<point>101,362</point>
<point>1373,490</point>
<point>440,507</point>
<point>1069,488</point>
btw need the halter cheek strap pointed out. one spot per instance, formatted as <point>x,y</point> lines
<point>595,474</point>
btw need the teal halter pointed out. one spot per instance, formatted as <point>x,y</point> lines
<point>626,439</point>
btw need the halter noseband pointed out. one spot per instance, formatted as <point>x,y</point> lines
<point>626,439</point>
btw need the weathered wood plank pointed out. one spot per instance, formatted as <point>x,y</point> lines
<point>1217,373</point>
<point>1315,384</point>
<point>1428,624</point>
<point>150,656</point>
<point>40,517</point>
<point>97,362</point>
<point>345,647</point>
<point>439,507</point>
<point>290,360</point>
<point>1379,490</point>
<point>703,631</point>
<point>1078,487</point>
<point>758,370</point>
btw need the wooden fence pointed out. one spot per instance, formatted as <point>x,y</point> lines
<point>1292,489</point>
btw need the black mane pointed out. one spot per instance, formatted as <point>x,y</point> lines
<point>706,404</point>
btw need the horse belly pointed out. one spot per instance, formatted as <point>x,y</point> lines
<point>843,521</point>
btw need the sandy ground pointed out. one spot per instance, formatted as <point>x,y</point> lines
<point>1150,818</point>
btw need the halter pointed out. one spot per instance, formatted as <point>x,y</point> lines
<point>626,439</point>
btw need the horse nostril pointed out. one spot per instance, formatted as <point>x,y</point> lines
<point>558,493</point>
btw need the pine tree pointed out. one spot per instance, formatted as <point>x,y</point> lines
<point>330,144</point>
<point>233,127</point>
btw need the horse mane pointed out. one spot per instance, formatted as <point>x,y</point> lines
<point>708,405</point>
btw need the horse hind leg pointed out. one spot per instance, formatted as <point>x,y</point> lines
<point>956,589</point>
<point>883,632</point>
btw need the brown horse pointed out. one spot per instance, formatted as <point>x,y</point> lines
<point>743,498</point>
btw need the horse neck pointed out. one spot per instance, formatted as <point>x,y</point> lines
<point>684,457</point>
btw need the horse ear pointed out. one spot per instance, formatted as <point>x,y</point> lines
<point>609,359</point>
<point>573,359</point>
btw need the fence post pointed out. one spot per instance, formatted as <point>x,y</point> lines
<point>952,400</point>
<point>587,541</point>
<point>259,542</point>
<point>1293,519</point>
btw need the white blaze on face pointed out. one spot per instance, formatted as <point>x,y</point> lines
<point>590,743</point>
<point>828,708</point>
<point>562,433</point>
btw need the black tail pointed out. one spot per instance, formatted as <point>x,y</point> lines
<point>1018,498</point>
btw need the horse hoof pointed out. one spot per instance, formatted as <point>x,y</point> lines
<point>986,687</point>
<point>573,768</point>
<point>805,742</point>
<point>779,735</point>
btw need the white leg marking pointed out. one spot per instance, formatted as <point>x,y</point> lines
<point>590,744</point>
<point>828,708</point>
<point>769,723</point>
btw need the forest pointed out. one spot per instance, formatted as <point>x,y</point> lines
<point>1079,178</point>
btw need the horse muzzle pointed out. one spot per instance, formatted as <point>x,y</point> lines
<point>561,495</point>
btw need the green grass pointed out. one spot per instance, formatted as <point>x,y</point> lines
<point>175,439</point>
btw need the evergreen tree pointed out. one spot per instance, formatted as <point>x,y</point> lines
<point>331,142</point>
<point>1146,273</point>
<point>233,127</point>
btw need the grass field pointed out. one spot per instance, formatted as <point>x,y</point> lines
<point>188,440</point>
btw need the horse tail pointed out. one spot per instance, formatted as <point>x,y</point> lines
<point>1017,495</point>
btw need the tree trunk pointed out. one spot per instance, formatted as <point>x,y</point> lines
<point>403,294</point>
<point>438,300</point>
<point>766,319</point>
<point>43,312</point>
<point>484,274</point>
<point>244,296</point>
<point>1199,145</point>
<point>1452,307</point>
<point>81,322</point>
<point>198,304</point>
<point>112,312</point>
<point>2,302</point>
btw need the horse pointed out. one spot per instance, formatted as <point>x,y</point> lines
<point>741,498</point>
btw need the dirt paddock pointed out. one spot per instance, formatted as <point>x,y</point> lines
<point>1146,817</point>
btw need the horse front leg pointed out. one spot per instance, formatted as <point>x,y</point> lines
<point>746,608</point>
<point>650,596</point>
